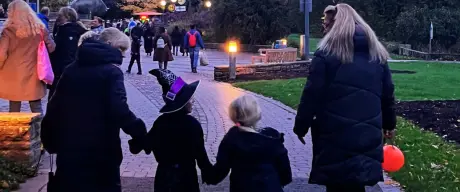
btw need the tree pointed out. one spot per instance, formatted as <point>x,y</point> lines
<point>136,6</point>
<point>256,22</point>
<point>54,5</point>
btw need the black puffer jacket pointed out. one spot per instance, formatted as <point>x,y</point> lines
<point>352,103</point>
<point>66,38</point>
<point>83,120</point>
<point>258,161</point>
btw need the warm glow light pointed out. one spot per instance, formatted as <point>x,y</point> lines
<point>207,4</point>
<point>232,47</point>
<point>174,1</point>
<point>144,17</point>
<point>163,3</point>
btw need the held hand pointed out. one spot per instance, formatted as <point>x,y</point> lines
<point>389,134</point>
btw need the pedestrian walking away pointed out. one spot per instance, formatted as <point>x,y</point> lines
<point>177,39</point>
<point>348,101</point>
<point>193,42</point>
<point>149,34</point>
<point>136,41</point>
<point>176,138</point>
<point>256,157</point>
<point>183,50</point>
<point>162,46</point>
<point>22,33</point>
<point>67,35</point>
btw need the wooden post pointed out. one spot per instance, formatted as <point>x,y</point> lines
<point>232,65</point>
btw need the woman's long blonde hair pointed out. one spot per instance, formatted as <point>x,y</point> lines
<point>339,40</point>
<point>22,18</point>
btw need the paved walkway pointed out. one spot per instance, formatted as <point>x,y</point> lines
<point>212,100</point>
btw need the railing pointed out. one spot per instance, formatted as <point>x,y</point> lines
<point>428,56</point>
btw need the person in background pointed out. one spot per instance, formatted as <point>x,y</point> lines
<point>43,15</point>
<point>67,35</point>
<point>176,37</point>
<point>97,25</point>
<point>183,50</point>
<point>22,33</point>
<point>176,137</point>
<point>193,42</point>
<point>83,120</point>
<point>149,34</point>
<point>162,46</point>
<point>256,157</point>
<point>136,41</point>
<point>348,101</point>
<point>2,12</point>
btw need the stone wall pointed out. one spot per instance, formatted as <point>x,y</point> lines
<point>263,71</point>
<point>20,137</point>
<point>243,47</point>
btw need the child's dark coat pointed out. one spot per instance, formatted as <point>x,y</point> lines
<point>177,142</point>
<point>258,161</point>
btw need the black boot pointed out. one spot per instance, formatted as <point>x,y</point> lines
<point>128,71</point>
<point>194,70</point>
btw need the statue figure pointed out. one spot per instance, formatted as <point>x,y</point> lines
<point>91,7</point>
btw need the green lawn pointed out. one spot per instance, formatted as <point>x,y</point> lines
<point>401,57</point>
<point>432,164</point>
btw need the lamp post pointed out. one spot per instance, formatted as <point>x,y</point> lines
<point>232,50</point>
<point>208,4</point>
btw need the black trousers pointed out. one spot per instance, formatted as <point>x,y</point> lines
<point>137,58</point>
<point>341,188</point>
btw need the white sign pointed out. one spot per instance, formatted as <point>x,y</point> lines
<point>181,2</point>
<point>181,8</point>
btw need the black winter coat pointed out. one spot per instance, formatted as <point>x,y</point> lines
<point>258,161</point>
<point>83,120</point>
<point>352,103</point>
<point>177,142</point>
<point>66,39</point>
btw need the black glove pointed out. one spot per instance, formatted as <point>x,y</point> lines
<point>137,145</point>
<point>300,134</point>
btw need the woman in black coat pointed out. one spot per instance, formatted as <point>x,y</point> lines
<point>149,33</point>
<point>176,138</point>
<point>183,50</point>
<point>257,158</point>
<point>66,36</point>
<point>348,102</point>
<point>177,39</point>
<point>83,119</point>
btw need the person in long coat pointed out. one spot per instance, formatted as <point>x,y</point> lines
<point>348,101</point>
<point>257,158</point>
<point>22,33</point>
<point>177,39</point>
<point>162,54</point>
<point>149,34</point>
<point>83,119</point>
<point>183,50</point>
<point>66,38</point>
<point>176,138</point>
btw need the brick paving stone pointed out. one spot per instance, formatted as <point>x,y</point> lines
<point>212,100</point>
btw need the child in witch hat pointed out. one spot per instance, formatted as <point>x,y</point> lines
<point>176,138</point>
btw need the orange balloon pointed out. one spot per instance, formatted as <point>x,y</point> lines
<point>393,158</point>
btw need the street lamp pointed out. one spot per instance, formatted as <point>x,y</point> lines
<point>208,4</point>
<point>173,1</point>
<point>163,3</point>
<point>232,50</point>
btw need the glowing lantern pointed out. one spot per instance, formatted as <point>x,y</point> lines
<point>174,1</point>
<point>232,47</point>
<point>283,41</point>
<point>393,158</point>
<point>208,4</point>
<point>143,17</point>
<point>163,3</point>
